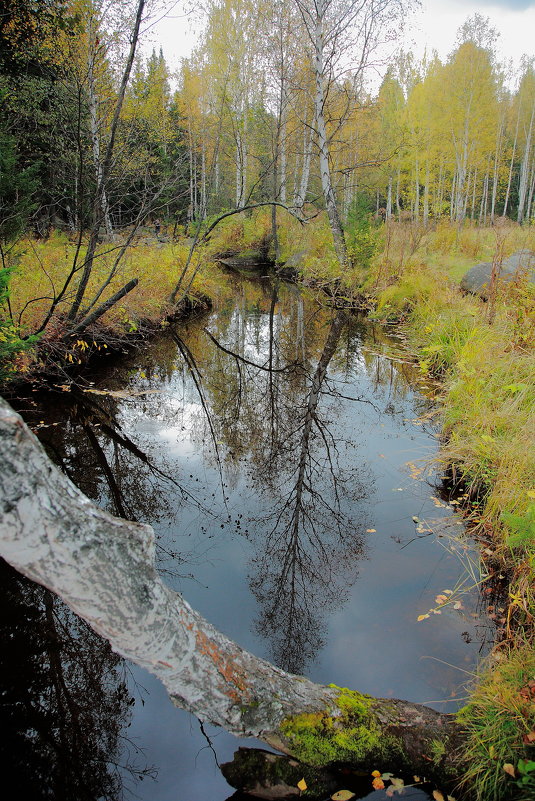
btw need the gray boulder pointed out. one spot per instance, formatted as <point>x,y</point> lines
<point>477,279</point>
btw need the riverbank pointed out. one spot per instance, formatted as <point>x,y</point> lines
<point>485,359</point>
<point>408,277</point>
<point>483,355</point>
<point>38,270</point>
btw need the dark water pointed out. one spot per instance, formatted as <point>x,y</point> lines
<point>280,458</point>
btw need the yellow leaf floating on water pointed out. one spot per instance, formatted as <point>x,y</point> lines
<point>343,795</point>
<point>371,530</point>
<point>422,617</point>
<point>302,785</point>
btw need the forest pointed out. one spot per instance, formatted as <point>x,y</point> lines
<point>297,139</point>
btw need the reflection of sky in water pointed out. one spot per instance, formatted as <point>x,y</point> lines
<point>372,640</point>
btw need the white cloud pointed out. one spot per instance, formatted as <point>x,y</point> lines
<point>434,27</point>
<point>437,25</point>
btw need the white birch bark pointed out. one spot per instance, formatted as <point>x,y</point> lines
<point>496,172</point>
<point>95,140</point>
<point>192,199</point>
<point>531,190</point>
<point>283,146</point>
<point>511,164</point>
<point>484,199</point>
<point>416,210</point>
<point>524,170</point>
<point>322,140</point>
<point>103,568</point>
<point>203,180</point>
<point>426,196</point>
<point>301,193</point>
<point>474,187</point>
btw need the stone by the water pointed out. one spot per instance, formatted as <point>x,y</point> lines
<point>477,279</point>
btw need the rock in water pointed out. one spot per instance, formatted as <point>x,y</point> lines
<point>262,774</point>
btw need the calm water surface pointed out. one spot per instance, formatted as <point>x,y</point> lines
<point>279,455</point>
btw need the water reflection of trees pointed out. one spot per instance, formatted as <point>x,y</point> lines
<point>84,435</point>
<point>311,547</point>
<point>308,542</point>
<point>64,700</point>
<point>264,399</point>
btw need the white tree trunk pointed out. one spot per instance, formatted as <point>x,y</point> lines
<point>103,568</point>
<point>531,191</point>
<point>511,165</point>
<point>283,153</point>
<point>301,193</point>
<point>323,142</point>
<point>389,199</point>
<point>524,170</point>
<point>95,141</point>
<point>496,173</point>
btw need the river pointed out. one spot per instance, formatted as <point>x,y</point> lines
<point>281,455</point>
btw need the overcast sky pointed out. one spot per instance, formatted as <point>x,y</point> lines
<point>437,24</point>
<point>434,26</point>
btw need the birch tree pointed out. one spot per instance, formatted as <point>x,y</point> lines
<point>344,37</point>
<point>526,115</point>
<point>103,567</point>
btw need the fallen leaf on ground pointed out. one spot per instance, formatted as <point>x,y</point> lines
<point>302,785</point>
<point>510,769</point>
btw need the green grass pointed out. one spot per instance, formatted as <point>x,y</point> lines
<point>500,720</point>
<point>486,363</point>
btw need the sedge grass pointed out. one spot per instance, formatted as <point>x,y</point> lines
<point>500,721</point>
<point>42,267</point>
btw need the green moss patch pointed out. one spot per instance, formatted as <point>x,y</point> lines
<point>322,738</point>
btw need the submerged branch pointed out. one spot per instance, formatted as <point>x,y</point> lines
<point>246,361</point>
